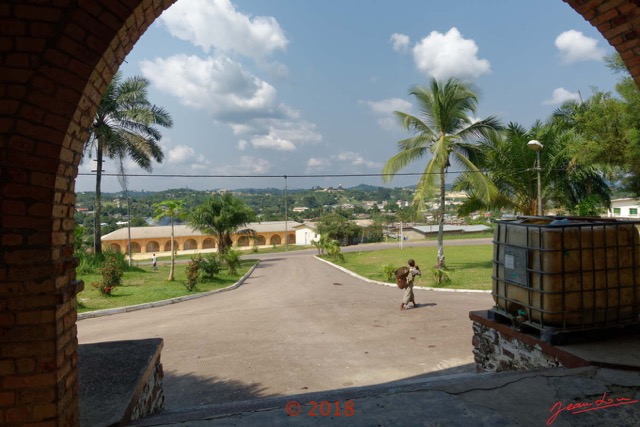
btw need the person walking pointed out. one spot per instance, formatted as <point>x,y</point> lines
<point>414,271</point>
<point>154,262</point>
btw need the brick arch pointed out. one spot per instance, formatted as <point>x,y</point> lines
<point>56,59</point>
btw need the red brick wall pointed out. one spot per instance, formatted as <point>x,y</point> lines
<point>56,58</point>
<point>619,22</point>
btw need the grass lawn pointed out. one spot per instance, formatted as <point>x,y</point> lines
<point>144,285</point>
<point>469,267</point>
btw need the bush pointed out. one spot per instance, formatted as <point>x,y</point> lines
<point>440,276</point>
<point>111,271</point>
<point>232,259</point>
<point>91,263</point>
<point>390,272</point>
<point>193,273</point>
<point>210,265</point>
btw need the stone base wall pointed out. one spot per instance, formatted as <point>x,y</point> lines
<point>151,399</point>
<point>498,347</point>
<point>494,352</point>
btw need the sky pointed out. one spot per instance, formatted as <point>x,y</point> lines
<point>260,89</point>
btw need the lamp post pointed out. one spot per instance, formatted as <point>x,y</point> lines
<point>537,146</point>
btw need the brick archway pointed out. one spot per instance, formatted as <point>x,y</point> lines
<point>56,59</point>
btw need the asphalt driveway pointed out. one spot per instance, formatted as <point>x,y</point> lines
<point>297,325</point>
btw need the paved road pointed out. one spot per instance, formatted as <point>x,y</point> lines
<point>297,325</point>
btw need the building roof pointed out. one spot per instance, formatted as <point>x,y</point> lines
<point>183,230</point>
<point>309,225</point>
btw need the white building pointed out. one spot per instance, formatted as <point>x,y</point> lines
<point>625,208</point>
<point>306,233</point>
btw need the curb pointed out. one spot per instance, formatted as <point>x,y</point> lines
<point>110,311</point>
<point>393,285</point>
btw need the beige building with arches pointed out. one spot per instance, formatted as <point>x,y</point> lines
<point>149,240</point>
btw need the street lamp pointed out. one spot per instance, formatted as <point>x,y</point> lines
<point>537,146</point>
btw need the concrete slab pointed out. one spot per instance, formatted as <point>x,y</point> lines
<point>621,351</point>
<point>504,399</point>
<point>110,375</point>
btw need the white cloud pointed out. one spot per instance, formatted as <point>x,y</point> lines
<point>449,55</point>
<point>180,154</point>
<point>345,160</point>
<point>219,85</point>
<point>561,95</point>
<point>315,164</point>
<point>385,111</point>
<point>575,47</point>
<point>269,141</point>
<point>285,135</point>
<point>400,42</point>
<point>183,157</point>
<point>232,96</point>
<point>356,159</point>
<point>242,145</point>
<point>246,165</point>
<point>217,24</point>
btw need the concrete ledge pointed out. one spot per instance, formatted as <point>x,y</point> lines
<point>117,380</point>
<point>393,285</point>
<point>110,311</point>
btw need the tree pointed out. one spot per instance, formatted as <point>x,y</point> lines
<point>337,227</point>
<point>221,216</point>
<point>174,209</point>
<point>125,125</point>
<point>445,131</point>
<point>566,183</point>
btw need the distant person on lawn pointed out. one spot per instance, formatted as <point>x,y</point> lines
<point>414,271</point>
<point>154,261</point>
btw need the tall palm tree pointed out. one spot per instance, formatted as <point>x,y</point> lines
<point>174,209</point>
<point>125,125</point>
<point>221,217</point>
<point>445,131</point>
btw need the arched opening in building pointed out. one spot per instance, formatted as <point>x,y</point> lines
<point>153,246</point>
<point>275,240</point>
<point>190,244</point>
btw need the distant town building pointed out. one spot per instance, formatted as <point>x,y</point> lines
<point>306,234</point>
<point>625,208</point>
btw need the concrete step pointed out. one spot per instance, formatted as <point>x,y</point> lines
<point>441,398</point>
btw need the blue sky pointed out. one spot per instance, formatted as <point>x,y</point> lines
<point>289,87</point>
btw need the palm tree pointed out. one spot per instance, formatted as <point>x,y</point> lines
<point>174,209</point>
<point>508,162</point>
<point>125,125</point>
<point>445,131</point>
<point>220,217</point>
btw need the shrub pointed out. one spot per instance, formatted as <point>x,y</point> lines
<point>440,276</point>
<point>193,272</point>
<point>232,259</point>
<point>91,263</point>
<point>333,249</point>
<point>210,265</point>
<point>390,272</point>
<point>111,271</point>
